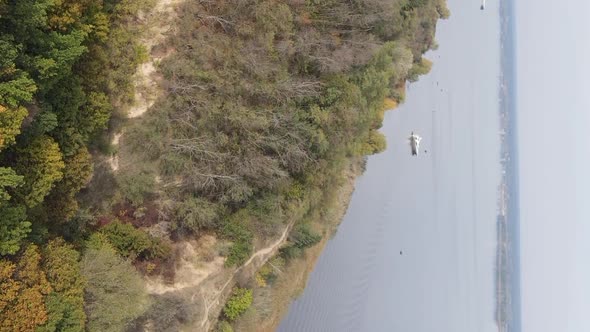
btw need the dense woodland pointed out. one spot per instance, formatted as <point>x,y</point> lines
<point>265,101</point>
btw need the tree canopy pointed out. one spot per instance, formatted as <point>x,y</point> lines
<point>59,84</point>
<point>23,285</point>
<point>114,294</point>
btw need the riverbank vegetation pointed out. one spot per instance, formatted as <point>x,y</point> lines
<point>265,103</point>
<point>284,276</point>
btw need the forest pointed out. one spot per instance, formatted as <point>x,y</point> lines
<point>264,103</point>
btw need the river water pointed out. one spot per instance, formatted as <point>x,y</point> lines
<point>416,249</point>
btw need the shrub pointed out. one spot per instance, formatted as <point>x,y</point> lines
<point>419,68</point>
<point>224,326</point>
<point>241,236</point>
<point>376,142</point>
<point>303,237</point>
<point>170,311</point>
<point>194,214</point>
<point>131,242</point>
<point>300,238</point>
<point>291,251</point>
<point>389,104</point>
<point>296,191</point>
<point>265,215</point>
<point>238,303</point>
<point>238,252</point>
<point>267,273</point>
<point>136,186</point>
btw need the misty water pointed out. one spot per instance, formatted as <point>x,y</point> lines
<point>439,209</point>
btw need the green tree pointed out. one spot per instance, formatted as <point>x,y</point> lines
<point>96,112</point>
<point>114,294</point>
<point>60,262</point>
<point>25,18</point>
<point>65,305</point>
<point>126,239</point>
<point>131,242</point>
<point>59,54</point>
<point>61,204</point>
<point>240,300</point>
<point>17,90</point>
<point>42,165</point>
<point>46,55</point>
<point>44,123</point>
<point>15,85</point>
<point>8,179</point>
<point>13,228</point>
<point>10,124</point>
<point>62,315</point>
<point>303,236</point>
<point>66,100</point>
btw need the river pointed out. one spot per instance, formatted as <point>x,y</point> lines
<point>416,249</point>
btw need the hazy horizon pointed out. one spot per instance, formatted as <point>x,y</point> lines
<point>553,49</point>
<point>508,310</point>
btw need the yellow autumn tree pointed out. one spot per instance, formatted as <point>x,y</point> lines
<point>22,289</point>
<point>65,304</point>
<point>10,123</point>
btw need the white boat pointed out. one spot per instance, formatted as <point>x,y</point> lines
<point>415,143</point>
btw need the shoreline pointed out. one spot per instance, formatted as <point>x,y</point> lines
<point>507,284</point>
<point>208,297</point>
<point>202,282</point>
<point>298,270</point>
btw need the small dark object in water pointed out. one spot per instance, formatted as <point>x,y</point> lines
<point>425,151</point>
<point>401,252</point>
<point>482,7</point>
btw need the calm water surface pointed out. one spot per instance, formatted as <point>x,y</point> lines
<point>439,208</point>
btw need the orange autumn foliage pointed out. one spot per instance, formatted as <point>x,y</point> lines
<point>22,289</point>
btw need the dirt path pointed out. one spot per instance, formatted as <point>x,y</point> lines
<point>158,24</point>
<point>293,277</point>
<point>114,160</point>
<point>209,280</point>
<point>264,253</point>
<point>207,283</point>
<point>270,249</point>
<point>192,268</point>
